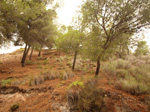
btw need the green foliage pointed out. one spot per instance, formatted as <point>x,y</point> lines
<point>36,80</point>
<point>69,63</point>
<point>122,73</point>
<point>5,82</point>
<point>136,81</point>
<point>29,62</point>
<point>109,28</point>
<point>60,84</point>
<point>21,49</point>
<point>142,48</point>
<point>30,21</point>
<point>70,41</point>
<point>14,107</point>
<point>46,62</point>
<point>39,67</point>
<point>123,64</point>
<point>131,77</point>
<point>91,99</point>
<point>109,69</point>
<point>40,58</point>
<point>76,84</point>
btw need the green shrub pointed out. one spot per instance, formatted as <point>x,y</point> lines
<point>46,62</point>
<point>91,99</point>
<point>121,73</point>
<point>123,64</point>
<point>76,84</point>
<point>60,84</point>
<point>14,107</point>
<point>41,58</point>
<point>5,82</point>
<point>21,49</point>
<point>67,74</point>
<point>49,75</point>
<point>36,81</point>
<point>131,85</point>
<point>109,69</point>
<point>58,59</point>
<point>39,67</point>
<point>69,63</point>
<point>29,62</point>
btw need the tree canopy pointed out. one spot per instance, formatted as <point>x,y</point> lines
<point>110,20</point>
<point>142,48</point>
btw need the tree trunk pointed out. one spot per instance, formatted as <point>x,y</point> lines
<point>128,51</point>
<point>31,53</point>
<point>74,61</point>
<point>98,67</point>
<point>40,51</point>
<point>24,59</point>
<point>24,53</point>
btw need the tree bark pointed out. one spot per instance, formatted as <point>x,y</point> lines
<point>31,53</point>
<point>98,67</point>
<point>24,59</point>
<point>40,51</point>
<point>24,53</point>
<point>128,51</point>
<point>74,61</point>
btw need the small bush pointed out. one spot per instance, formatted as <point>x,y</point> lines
<point>134,86</point>
<point>41,58</point>
<point>138,62</point>
<point>45,62</point>
<point>19,82</point>
<point>69,63</point>
<point>87,99</point>
<point>109,69</point>
<point>14,107</point>
<point>76,84</point>
<point>62,58</point>
<point>60,84</point>
<point>21,49</point>
<point>5,82</point>
<point>29,62</point>
<point>121,73</point>
<point>39,67</point>
<point>36,81</point>
<point>123,64</point>
<point>49,76</point>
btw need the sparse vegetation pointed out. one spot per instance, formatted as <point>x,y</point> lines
<point>14,107</point>
<point>45,62</point>
<point>39,67</point>
<point>132,77</point>
<point>76,84</point>
<point>21,49</point>
<point>87,99</point>
<point>29,62</point>
<point>100,63</point>
<point>6,82</point>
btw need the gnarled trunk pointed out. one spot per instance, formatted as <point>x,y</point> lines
<point>31,53</point>
<point>74,61</point>
<point>98,67</point>
<point>25,55</point>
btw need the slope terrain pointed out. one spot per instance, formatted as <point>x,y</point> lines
<point>42,85</point>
